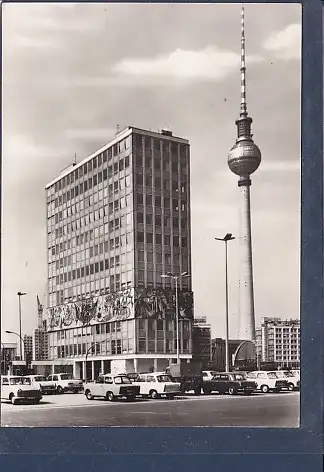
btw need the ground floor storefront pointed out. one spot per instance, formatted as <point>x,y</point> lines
<point>91,367</point>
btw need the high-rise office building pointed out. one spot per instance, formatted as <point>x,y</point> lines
<point>28,346</point>
<point>278,341</point>
<point>116,222</point>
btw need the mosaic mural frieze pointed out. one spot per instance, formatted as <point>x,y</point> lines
<point>156,303</point>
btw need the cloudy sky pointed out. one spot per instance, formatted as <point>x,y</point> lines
<point>72,72</point>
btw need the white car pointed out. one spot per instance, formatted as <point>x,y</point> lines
<point>268,381</point>
<point>65,383</point>
<point>45,386</point>
<point>111,387</point>
<point>157,384</point>
<point>293,382</point>
<point>19,389</point>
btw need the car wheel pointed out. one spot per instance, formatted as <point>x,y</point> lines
<point>197,390</point>
<point>248,392</point>
<point>206,391</point>
<point>170,397</point>
<point>131,398</point>
<point>89,395</point>
<point>110,396</point>
<point>13,399</point>
<point>36,401</point>
<point>59,389</point>
<point>264,388</point>
<point>231,391</point>
<point>291,387</point>
<point>153,394</point>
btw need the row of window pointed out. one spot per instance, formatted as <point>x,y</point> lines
<point>100,193</point>
<point>166,146</point>
<point>146,180</point>
<point>92,182</point>
<point>105,194</point>
<point>168,203</point>
<point>114,346</point>
<point>177,241</point>
<point>91,165</point>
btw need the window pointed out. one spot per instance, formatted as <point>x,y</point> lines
<point>166,240</point>
<point>140,218</point>
<point>149,219</point>
<point>158,239</point>
<point>149,238</point>
<point>148,200</point>
<point>140,237</point>
<point>157,201</point>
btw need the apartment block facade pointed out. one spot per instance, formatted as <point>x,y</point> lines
<point>116,222</point>
<point>278,341</point>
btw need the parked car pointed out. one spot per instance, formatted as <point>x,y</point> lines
<point>19,389</point>
<point>66,383</point>
<point>268,381</point>
<point>293,381</point>
<point>45,386</point>
<point>111,387</point>
<point>229,382</point>
<point>157,384</point>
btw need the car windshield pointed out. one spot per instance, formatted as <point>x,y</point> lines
<point>272,375</point>
<point>289,374</point>
<point>39,378</point>
<point>239,376</point>
<point>163,378</point>
<point>19,381</point>
<point>122,380</point>
<point>66,377</point>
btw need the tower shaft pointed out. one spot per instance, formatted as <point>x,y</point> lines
<point>246,294</point>
<point>243,160</point>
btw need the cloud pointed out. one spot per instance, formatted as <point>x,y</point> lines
<point>29,42</point>
<point>286,44</point>
<point>280,166</point>
<point>210,63</point>
<point>91,133</point>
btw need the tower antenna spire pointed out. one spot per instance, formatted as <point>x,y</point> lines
<point>243,111</point>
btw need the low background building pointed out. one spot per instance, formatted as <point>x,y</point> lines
<point>201,341</point>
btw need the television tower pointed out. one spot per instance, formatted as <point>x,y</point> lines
<point>243,159</point>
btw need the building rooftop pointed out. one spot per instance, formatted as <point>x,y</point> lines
<point>164,133</point>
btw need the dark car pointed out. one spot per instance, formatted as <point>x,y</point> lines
<point>229,382</point>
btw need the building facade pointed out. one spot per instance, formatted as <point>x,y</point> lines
<point>40,344</point>
<point>201,341</point>
<point>116,222</point>
<point>28,347</point>
<point>278,341</point>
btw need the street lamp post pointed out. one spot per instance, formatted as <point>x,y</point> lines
<point>176,278</point>
<point>227,237</point>
<point>20,294</point>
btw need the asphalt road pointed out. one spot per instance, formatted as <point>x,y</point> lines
<point>259,410</point>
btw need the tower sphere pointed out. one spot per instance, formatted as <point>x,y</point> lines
<point>244,158</point>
